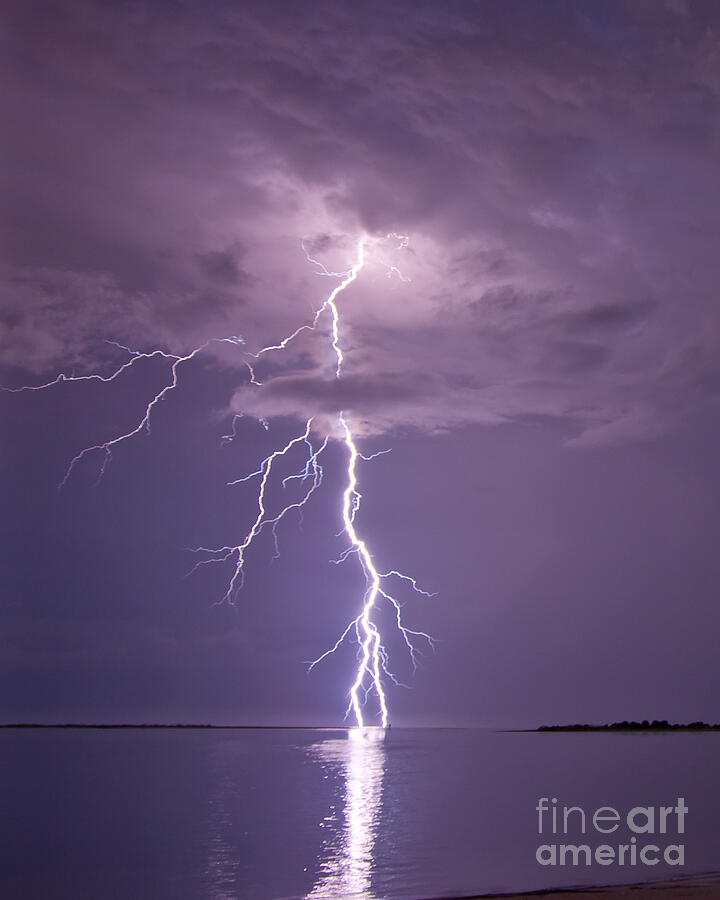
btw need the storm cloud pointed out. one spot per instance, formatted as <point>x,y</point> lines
<point>554,166</point>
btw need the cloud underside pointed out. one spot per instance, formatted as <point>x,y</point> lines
<point>556,176</point>
<point>374,405</point>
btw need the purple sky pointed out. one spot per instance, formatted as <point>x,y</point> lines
<point>547,377</point>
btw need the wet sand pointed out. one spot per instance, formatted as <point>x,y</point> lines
<point>700,888</point>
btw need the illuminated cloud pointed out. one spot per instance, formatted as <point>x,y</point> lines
<point>556,176</point>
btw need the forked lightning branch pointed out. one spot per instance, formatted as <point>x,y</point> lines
<point>373,672</point>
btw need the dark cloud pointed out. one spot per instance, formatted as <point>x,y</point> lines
<point>374,403</point>
<point>607,316</point>
<point>358,392</point>
<point>221,266</point>
<point>576,357</point>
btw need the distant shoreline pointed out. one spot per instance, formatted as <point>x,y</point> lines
<point>656,725</point>
<point>190,727</point>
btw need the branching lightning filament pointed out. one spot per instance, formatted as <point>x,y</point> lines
<point>373,667</point>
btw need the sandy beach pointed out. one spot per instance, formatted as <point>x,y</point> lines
<point>697,888</point>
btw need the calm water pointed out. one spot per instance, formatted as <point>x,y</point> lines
<point>313,814</point>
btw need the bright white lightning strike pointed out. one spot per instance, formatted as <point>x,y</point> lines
<point>373,663</point>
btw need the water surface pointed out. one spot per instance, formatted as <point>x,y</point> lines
<point>267,814</point>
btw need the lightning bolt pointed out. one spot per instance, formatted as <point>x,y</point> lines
<point>372,656</point>
<point>373,667</point>
<point>106,447</point>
